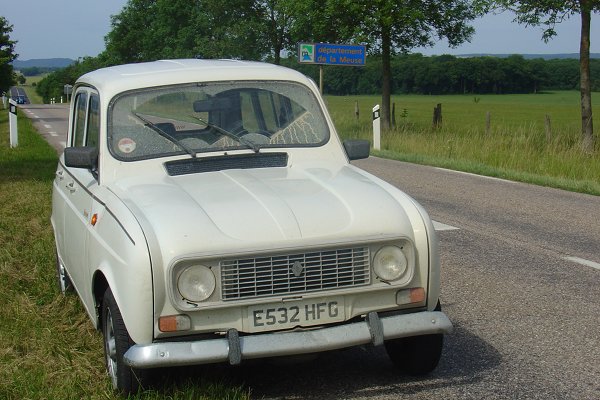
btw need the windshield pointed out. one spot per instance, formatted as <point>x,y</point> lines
<point>216,116</point>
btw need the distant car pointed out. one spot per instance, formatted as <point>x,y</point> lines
<point>21,100</point>
<point>207,212</point>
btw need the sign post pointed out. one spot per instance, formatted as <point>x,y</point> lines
<point>12,120</point>
<point>68,90</point>
<point>331,54</point>
<point>376,128</point>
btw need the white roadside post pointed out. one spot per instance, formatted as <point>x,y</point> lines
<point>376,128</point>
<point>12,120</point>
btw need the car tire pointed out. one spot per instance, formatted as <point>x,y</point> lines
<point>117,341</point>
<point>416,355</point>
<point>64,282</point>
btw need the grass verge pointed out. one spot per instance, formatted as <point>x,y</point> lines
<point>48,347</point>
<point>518,145</point>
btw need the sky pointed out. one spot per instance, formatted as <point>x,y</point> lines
<point>76,28</point>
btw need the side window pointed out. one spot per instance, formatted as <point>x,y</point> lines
<point>79,120</point>
<point>93,131</point>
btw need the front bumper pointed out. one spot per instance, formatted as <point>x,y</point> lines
<point>234,348</point>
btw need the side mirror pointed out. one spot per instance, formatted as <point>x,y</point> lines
<point>81,157</point>
<point>357,149</point>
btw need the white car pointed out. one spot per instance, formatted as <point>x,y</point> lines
<point>207,212</point>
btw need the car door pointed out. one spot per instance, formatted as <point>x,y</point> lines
<point>78,188</point>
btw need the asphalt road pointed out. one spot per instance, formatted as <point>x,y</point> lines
<point>520,281</point>
<point>16,92</point>
<point>51,121</point>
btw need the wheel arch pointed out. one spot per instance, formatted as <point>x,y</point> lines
<point>99,286</point>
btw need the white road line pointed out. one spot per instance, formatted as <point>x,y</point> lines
<point>53,134</point>
<point>439,227</point>
<point>47,126</point>
<point>475,175</point>
<point>585,262</point>
<point>34,116</point>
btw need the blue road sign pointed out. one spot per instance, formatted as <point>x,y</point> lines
<point>331,54</point>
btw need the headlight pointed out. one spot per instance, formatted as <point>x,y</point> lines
<point>196,283</point>
<point>390,263</point>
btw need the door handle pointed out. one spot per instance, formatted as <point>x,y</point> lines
<point>60,175</point>
<point>71,187</point>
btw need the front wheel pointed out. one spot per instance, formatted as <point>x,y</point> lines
<point>116,343</point>
<point>416,355</point>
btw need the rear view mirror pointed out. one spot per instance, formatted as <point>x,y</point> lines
<point>357,149</point>
<point>81,157</point>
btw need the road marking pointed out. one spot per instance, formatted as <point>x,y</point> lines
<point>53,134</point>
<point>63,144</point>
<point>34,116</point>
<point>583,261</point>
<point>475,175</point>
<point>439,227</point>
<point>47,126</point>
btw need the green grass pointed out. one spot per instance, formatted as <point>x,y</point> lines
<point>48,347</point>
<point>516,146</point>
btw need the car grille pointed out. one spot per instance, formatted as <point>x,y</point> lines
<point>294,273</point>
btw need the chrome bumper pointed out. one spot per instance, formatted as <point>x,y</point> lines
<point>234,348</point>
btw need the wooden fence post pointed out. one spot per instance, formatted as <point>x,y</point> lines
<point>437,116</point>
<point>356,111</point>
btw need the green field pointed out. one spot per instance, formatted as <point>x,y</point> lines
<point>517,145</point>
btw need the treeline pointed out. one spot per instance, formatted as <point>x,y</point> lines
<point>35,71</point>
<point>147,30</point>
<point>411,74</point>
<point>446,74</point>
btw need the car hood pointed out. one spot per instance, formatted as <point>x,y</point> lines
<point>239,211</point>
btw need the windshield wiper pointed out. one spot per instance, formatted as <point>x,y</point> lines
<point>251,145</point>
<point>164,134</point>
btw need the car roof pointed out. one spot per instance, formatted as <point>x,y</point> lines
<point>113,80</point>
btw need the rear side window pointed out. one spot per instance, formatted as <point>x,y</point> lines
<point>79,120</point>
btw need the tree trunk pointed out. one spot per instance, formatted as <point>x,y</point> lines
<point>277,52</point>
<point>587,125</point>
<point>386,89</point>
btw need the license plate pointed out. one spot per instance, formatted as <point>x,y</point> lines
<point>267,317</point>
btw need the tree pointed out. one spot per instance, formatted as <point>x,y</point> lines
<point>277,18</point>
<point>397,26</point>
<point>7,55</point>
<point>147,30</point>
<point>549,13</point>
<point>234,30</point>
